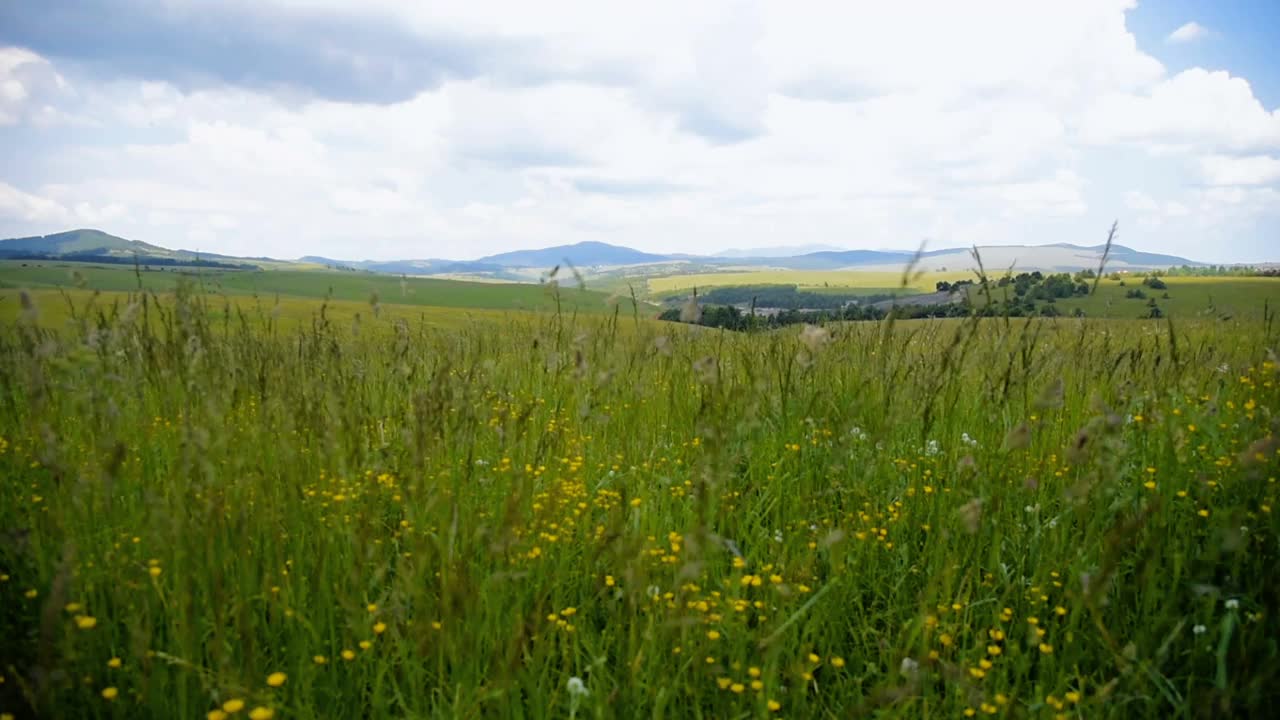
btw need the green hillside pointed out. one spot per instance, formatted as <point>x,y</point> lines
<point>362,287</point>
<point>1187,297</point>
<point>930,519</point>
<point>82,241</point>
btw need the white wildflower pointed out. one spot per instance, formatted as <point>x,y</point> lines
<point>909,667</point>
<point>814,337</point>
<point>1233,604</point>
<point>1199,629</point>
<point>690,312</point>
<point>577,688</point>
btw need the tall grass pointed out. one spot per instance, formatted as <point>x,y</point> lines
<point>918,519</point>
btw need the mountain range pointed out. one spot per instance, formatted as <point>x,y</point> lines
<point>98,246</point>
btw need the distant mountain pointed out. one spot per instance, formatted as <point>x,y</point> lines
<point>844,258</point>
<point>776,252</point>
<point>1059,257</point>
<point>406,267</point>
<point>583,254</point>
<point>80,242</point>
<point>1130,256</point>
<point>98,246</point>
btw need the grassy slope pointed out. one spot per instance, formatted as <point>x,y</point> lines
<point>359,287</point>
<point>57,310</point>
<point>80,241</point>
<point>496,509</point>
<point>1188,297</point>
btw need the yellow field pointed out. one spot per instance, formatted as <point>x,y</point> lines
<point>804,279</point>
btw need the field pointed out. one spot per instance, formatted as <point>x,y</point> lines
<point>1189,297</point>
<point>216,508</point>
<point>349,286</point>
<point>872,282</point>
<point>62,309</point>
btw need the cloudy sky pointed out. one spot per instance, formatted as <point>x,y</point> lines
<point>384,129</point>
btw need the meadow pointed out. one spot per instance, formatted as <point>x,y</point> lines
<point>357,287</point>
<point>1188,297</point>
<point>215,508</point>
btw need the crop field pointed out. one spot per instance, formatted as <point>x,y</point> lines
<point>872,282</point>
<point>210,512</point>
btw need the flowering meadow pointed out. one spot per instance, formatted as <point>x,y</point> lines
<point>208,511</point>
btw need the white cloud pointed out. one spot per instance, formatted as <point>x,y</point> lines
<point>1153,214</point>
<point>1189,32</point>
<point>1141,201</point>
<point>15,203</point>
<point>88,214</point>
<point>28,84</point>
<point>968,48</point>
<point>1058,195</point>
<point>1194,110</point>
<point>1229,170</point>
<point>669,127</point>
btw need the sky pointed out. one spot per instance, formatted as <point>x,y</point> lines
<point>391,130</point>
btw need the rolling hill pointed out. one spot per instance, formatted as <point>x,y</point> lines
<point>776,252</point>
<point>598,259</point>
<point>80,242</point>
<point>407,267</point>
<point>97,246</point>
<point>583,254</point>
<point>1061,257</point>
<point>844,258</point>
<point>363,287</point>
